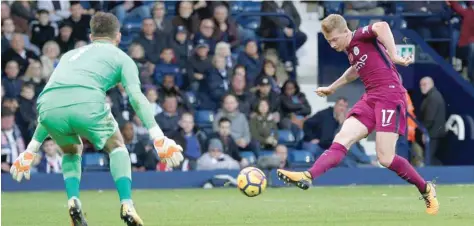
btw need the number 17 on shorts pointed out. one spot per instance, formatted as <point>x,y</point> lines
<point>391,119</point>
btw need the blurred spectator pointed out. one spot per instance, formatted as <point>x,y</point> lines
<point>142,154</point>
<point>51,158</point>
<point>243,95</point>
<point>182,47</point>
<point>226,28</point>
<point>216,85</point>
<point>140,130</point>
<point>279,159</point>
<point>362,8</point>
<point>26,115</point>
<point>18,53</point>
<point>12,140</point>
<point>152,97</point>
<point>433,25</point>
<point>185,17</point>
<point>11,82</point>
<point>199,65</point>
<point>264,92</point>
<point>320,129</point>
<point>33,76</point>
<point>239,69</point>
<point>58,10</point>
<point>50,58</point>
<point>167,67</point>
<point>206,30</point>
<point>223,50</point>
<point>280,27</point>
<point>168,119</point>
<point>21,13</point>
<point>121,105</point>
<point>262,127</point>
<point>269,71</point>
<point>224,135</point>
<point>6,11</point>
<point>252,61</point>
<point>293,103</point>
<point>215,159</point>
<point>240,130</point>
<point>10,103</point>
<point>145,67</point>
<point>432,116</point>
<point>42,30</point>
<point>169,88</point>
<point>64,39</point>
<point>79,22</point>
<point>129,9</point>
<point>466,40</point>
<point>8,29</point>
<point>164,27</point>
<point>151,42</point>
<point>191,139</point>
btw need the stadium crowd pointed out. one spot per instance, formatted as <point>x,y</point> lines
<point>216,88</point>
<point>444,25</point>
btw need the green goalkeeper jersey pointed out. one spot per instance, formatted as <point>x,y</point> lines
<point>85,74</point>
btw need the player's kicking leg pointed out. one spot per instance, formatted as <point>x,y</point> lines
<point>352,131</point>
<point>120,168</point>
<point>385,148</point>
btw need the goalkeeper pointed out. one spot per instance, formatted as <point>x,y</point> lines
<point>72,105</point>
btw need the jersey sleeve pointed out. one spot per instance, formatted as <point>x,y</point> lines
<point>131,83</point>
<point>129,73</point>
<point>365,33</point>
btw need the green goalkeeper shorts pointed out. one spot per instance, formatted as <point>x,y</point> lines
<point>92,121</point>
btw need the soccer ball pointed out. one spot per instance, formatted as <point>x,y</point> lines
<point>251,181</point>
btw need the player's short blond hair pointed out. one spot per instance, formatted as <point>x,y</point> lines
<point>333,22</point>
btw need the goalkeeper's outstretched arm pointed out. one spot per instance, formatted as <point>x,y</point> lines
<point>167,149</point>
<point>144,111</point>
<point>140,104</point>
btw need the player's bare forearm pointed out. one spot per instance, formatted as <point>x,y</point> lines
<point>385,36</point>
<point>349,76</point>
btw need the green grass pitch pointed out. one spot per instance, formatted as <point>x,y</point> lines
<point>352,205</point>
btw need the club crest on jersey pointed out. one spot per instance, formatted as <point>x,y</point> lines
<point>365,29</point>
<point>356,51</point>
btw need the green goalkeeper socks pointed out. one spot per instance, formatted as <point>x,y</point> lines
<point>121,169</point>
<point>71,165</point>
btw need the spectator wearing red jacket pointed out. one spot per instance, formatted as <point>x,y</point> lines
<point>466,40</point>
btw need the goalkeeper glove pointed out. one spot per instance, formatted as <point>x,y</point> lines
<point>22,165</point>
<point>168,151</point>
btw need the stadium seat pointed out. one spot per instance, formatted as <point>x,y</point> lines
<point>204,118</point>
<point>170,8</point>
<point>263,153</point>
<point>95,162</point>
<point>250,156</point>
<point>251,6</point>
<point>132,25</point>
<point>300,158</point>
<point>286,137</point>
